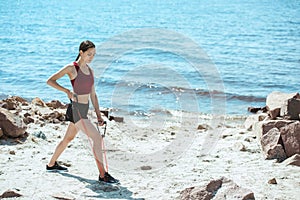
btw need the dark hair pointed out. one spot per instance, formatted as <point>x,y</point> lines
<point>84,46</point>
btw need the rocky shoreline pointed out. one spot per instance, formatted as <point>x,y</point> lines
<point>278,127</point>
<point>244,164</point>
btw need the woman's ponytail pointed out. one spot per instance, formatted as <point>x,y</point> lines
<point>77,57</point>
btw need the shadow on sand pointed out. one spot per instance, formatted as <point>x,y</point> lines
<point>104,190</point>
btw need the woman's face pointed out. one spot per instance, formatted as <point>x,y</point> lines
<point>88,55</point>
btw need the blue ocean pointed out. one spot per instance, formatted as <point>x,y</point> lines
<point>155,56</point>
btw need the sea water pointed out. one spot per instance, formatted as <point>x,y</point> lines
<point>253,48</point>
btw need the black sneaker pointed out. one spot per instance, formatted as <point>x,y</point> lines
<point>56,167</point>
<point>108,178</point>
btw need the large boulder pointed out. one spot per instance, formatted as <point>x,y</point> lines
<point>290,109</point>
<point>11,124</point>
<point>291,138</point>
<point>261,128</point>
<point>222,188</point>
<point>271,145</point>
<point>279,133</point>
<point>276,99</point>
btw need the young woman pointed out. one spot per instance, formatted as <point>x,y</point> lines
<point>82,80</point>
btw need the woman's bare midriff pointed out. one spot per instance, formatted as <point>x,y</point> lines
<point>84,98</point>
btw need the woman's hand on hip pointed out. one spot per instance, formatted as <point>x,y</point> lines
<point>70,94</point>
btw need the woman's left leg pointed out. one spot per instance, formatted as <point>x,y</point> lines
<point>69,136</point>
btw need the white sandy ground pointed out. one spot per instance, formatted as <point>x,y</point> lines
<point>130,146</point>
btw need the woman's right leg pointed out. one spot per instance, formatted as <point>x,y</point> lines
<point>96,142</point>
<point>69,136</point>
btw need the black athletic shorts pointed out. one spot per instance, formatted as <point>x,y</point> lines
<point>76,111</point>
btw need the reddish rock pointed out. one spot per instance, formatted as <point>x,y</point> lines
<point>271,147</point>
<point>230,190</point>
<point>272,181</point>
<point>11,124</point>
<point>254,109</point>
<point>204,127</point>
<point>27,115</point>
<point>263,127</point>
<point>19,99</point>
<point>291,138</point>
<point>201,193</point>
<point>291,109</point>
<point>217,189</point>
<point>28,120</point>
<point>297,96</point>
<point>37,101</point>
<point>56,104</point>
<point>9,104</point>
<point>12,103</point>
<point>10,194</point>
<point>54,117</point>
<point>274,113</point>
<point>12,152</point>
<point>116,119</point>
<point>274,123</point>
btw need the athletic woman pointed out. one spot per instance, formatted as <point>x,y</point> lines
<point>82,80</point>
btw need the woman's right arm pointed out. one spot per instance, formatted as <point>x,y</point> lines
<point>52,80</point>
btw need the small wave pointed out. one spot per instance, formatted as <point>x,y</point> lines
<point>245,98</point>
<point>140,113</point>
<point>161,111</point>
<point>201,93</point>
